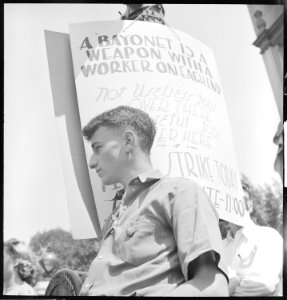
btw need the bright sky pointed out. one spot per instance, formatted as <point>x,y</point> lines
<point>34,191</point>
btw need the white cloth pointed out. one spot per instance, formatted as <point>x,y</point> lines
<point>23,289</point>
<point>255,261</point>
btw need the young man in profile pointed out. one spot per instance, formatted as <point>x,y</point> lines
<point>163,239</point>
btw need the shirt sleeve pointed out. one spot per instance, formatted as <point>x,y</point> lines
<point>264,275</point>
<point>195,225</point>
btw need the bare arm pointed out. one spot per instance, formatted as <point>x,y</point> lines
<point>206,279</point>
<point>264,273</point>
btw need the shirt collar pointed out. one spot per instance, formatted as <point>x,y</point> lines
<point>150,175</point>
<point>143,177</point>
<point>248,228</point>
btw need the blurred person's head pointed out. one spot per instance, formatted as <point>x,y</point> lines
<point>121,140</point>
<point>18,264</point>
<point>231,228</point>
<point>247,197</point>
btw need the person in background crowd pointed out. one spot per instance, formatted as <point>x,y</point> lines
<point>18,269</point>
<point>163,238</point>
<point>254,256</point>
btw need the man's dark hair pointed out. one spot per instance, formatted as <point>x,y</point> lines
<point>125,117</point>
<point>245,187</point>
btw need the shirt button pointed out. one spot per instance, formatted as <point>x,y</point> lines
<point>125,207</point>
<point>130,231</point>
<point>87,285</point>
<point>100,257</point>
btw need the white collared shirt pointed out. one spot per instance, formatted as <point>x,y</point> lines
<point>161,226</point>
<point>255,261</point>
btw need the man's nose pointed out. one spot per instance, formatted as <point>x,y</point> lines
<point>93,162</point>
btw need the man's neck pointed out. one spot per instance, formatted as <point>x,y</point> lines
<point>140,166</point>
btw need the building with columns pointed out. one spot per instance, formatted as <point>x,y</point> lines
<point>268,23</point>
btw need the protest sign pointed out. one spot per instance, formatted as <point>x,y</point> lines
<point>173,77</point>
<point>82,210</point>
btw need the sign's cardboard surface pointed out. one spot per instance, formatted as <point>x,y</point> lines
<point>174,78</point>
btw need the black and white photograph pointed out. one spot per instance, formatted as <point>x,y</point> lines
<point>143,150</point>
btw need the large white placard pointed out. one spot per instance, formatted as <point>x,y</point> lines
<point>82,210</point>
<point>174,78</point>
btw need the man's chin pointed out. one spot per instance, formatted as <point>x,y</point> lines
<point>106,181</point>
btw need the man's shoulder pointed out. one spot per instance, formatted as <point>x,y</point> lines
<point>264,235</point>
<point>267,231</point>
<point>179,185</point>
<point>183,184</point>
<point>179,181</point>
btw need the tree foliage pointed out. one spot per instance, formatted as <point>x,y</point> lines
<point>267,204</point>
<point>72,254</point>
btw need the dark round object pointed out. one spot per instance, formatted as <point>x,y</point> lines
<point>65,282</point>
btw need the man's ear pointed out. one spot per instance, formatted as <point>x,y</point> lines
<point>130,140</point>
